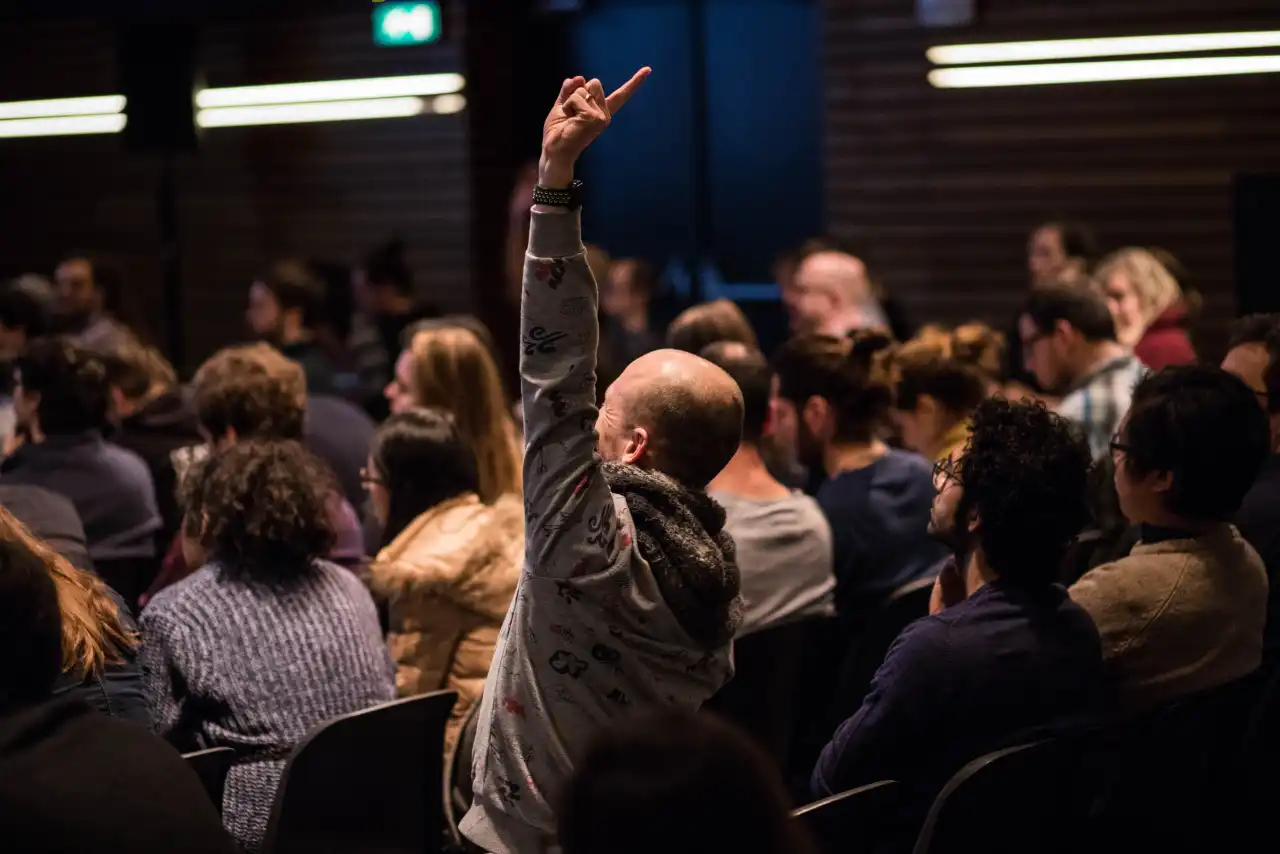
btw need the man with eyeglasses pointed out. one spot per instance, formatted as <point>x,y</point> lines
<point>1007,504</point>
<point>1251,356</point>
<point>1184,612</point>
<point>1069,342</point>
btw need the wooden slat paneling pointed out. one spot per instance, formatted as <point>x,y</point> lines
<point>942,186</point>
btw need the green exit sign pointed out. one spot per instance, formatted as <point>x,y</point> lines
<point>397,24</point>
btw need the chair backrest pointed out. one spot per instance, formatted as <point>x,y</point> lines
<point>211,766</point>
<point>1032,797</point>
<point>370,781</point>
<point>851,821</point>
<point>761,696</point>
<point>457,779</point>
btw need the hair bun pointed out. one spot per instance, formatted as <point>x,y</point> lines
<point>867,344</point>
<point>978,345</point>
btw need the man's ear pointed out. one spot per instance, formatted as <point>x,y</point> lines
<point>638,448</point>
<point>815,413</point>
<point>975,522</point>
<point>926,406</point>
<point>1161,481</point>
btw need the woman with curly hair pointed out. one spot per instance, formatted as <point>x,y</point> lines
<point>266,640</point>
<point>938,379</point>
<point>99,644</point>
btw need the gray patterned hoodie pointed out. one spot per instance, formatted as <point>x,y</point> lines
<point>589,638</point>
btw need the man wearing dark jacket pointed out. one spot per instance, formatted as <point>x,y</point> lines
<point>73,780</point>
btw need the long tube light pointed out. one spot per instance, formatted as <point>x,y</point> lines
<point>1100,72</point>
<point>972,54</point>
<point>325,111</point>
<point>63,125</point>
<point>416,85</point>
<point>91,106</point>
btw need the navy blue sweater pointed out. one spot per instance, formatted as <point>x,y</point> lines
<point>986,673</point>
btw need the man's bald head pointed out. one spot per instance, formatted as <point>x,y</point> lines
<point>829,283</point>
<point>674,412</point>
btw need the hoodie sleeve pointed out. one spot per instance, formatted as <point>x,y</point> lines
<point>570,523</point>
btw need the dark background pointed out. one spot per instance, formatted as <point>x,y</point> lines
<point>766,121</point>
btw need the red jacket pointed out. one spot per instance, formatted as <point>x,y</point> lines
<point>1166,342</point>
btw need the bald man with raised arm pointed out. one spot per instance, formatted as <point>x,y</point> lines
<point>629,596</point>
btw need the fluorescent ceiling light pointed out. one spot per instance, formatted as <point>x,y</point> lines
<point>329,111</point>
<point>1100,72</point>
<point>971,54</point>
<point>95,105</point>
<point>62,125</point>
<point>332,90</point>
<point>446,104</point>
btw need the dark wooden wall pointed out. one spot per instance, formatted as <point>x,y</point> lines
<point>941,186</point>
<point>329,191</point>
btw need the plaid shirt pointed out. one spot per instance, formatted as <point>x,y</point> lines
<point>1099,401</point>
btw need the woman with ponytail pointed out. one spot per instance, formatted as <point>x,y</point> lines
<point>833,404</point>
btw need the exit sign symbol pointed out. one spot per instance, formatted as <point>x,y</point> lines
<point>406,23</point>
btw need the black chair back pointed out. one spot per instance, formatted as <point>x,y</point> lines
<point>368,782</point>
<point>761,697</point>
<point>458,774</point>
<point>212,766</point>
<point>851,822</point>
<point>1031,797</point>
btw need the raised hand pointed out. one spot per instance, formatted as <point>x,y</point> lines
<point>580,114</point>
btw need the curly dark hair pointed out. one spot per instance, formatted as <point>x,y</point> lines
<point>1025,475</point>
<point>260,509</point>
<point>254,390</point>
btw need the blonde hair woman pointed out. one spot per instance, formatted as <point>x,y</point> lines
<point>98,637</point>
<point>1148,307</point>
<point>939,378</point>
<point>450,367</point>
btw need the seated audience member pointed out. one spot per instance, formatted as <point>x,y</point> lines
<point>1069,343</point>
<point>876,499</point>
<point>99,662</point>
<point>629,599</point>
<point>694,329</point>
<point>450,563</point>
<point>132,793</point>
<point>1059,250</point>
<point>626,291</point>
<point>339,433</point>
<point>783,541</point>
<point>52,518</point>
<point>24,315</point>
<point>62,403</point>
<point>154,420</point>
<point>451,368</point>
<point>88,293</point>
<point>254,392</point>
<point>939,378</point>
<point>1252,356</point>
<point>285,305</point>
<point>679,783</point>
<point>266,640</point>
<point>384,295</point>
<point>1004,652</point>
<point>1184,612</point>
<point>833,295</point>
<point>1147,306</point>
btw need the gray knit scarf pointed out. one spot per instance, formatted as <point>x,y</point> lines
<point>680,533</point>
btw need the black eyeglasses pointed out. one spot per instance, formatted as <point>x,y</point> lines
<point>945,469</point>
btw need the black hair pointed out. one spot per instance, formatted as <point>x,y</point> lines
<point>387,265</point>
<point>839,370</point>
<point>1078,239</point>
<point>30,627</point>
<point>1025,475</point>
<point>261,509</point>
<point>21,309</point>
<point>422,460</point>
<point>71,382</point>
<point>108,279</point>
<point>1082,308</point>
<point>750,370</point>
<point>1253,329</point>
<point>1203,425</point>
<point>296,286</point>
<point>679,783</point>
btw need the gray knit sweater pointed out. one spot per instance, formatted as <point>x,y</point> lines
<point>227,664</point>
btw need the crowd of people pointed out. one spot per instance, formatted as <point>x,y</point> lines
<point>297,534</point>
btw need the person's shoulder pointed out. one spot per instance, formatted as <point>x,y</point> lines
<point>38,507</point>
<point>180,598</point>
<point>906,464</point>
<point>125,460</point>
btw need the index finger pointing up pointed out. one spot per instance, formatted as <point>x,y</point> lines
<point>619,98</point>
